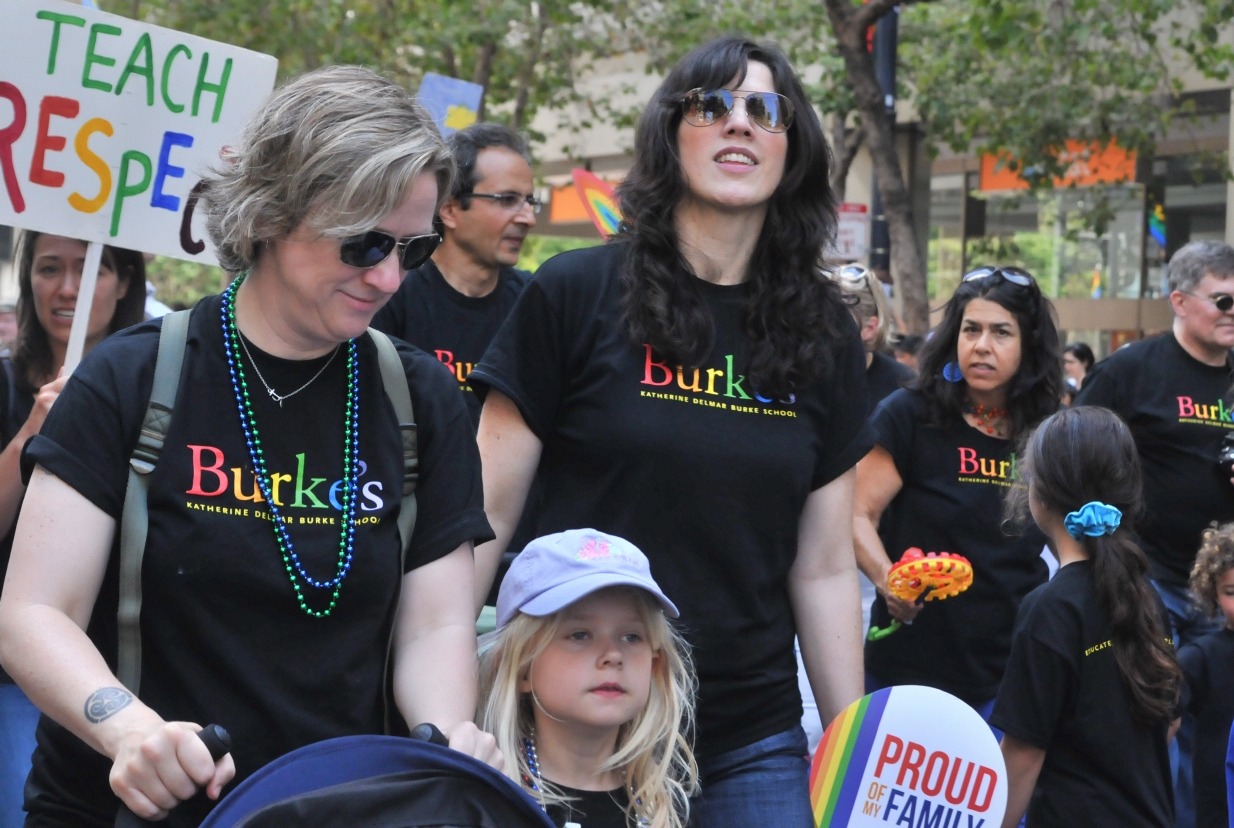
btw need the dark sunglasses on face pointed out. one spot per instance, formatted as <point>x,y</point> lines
<point>771,111</point>
<point>1223,301</point>
<point>509,201</point>
<point>1015,275</point>
<point>371,249</point>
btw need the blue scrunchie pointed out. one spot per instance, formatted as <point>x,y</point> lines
<point>1093,519</point>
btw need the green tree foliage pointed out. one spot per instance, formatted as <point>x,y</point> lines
<point>1022,77</point>
<point>526,53</point>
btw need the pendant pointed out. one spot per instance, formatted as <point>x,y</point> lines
<point>275,397</point>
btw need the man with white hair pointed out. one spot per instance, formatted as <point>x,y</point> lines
<point>1174,391</point>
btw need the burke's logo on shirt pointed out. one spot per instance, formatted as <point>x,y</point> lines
<point>211,480</point>
<point>1216,414</point>
<point>977,469</point>
<point>700,382</point>
<point>461,370</point>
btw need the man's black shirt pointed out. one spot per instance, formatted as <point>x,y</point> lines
<point>456,329</point>
<point>1178,409</point>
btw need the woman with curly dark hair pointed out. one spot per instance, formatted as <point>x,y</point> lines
<point>697,386</point>
<point>944,458</point>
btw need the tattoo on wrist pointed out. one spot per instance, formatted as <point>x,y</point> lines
<point>107,702</point>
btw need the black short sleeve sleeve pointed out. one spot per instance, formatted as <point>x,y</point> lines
<point>1036,690</point>
<point>848,437</point>
<point>895,427</point>
<point>1101,388</point>
<point>527,359</point>
<point>449,492</point>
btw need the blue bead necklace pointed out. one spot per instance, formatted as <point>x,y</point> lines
<point>351,450</point>
<point>532,779</point>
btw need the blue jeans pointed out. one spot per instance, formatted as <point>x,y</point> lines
<point>766,783</point>
<point>18,718</point>
<point>1187,624</point>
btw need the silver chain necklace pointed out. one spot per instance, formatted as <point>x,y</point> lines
<point>278,398</point>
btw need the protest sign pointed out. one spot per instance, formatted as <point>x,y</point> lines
<point>453,103</point>
<point>599,200</point>
<point>911,756</point>
<point>107,124</point>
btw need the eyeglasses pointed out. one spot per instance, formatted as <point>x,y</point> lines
<point>1223,301</point>
<point>1015,275</point>
<point>371,249</point>
<point>771,111</point>
<point>509,201</point>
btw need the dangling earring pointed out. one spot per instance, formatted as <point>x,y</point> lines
<point>952,372</point>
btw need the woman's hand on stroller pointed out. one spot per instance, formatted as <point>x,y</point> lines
<point>155,770</point>
<point>465,737</point>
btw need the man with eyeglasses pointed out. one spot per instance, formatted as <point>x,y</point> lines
<point>1174,391</point>
<point>453,304</point>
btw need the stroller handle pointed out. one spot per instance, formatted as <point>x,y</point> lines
<point>429,733</point>
<point>216,739</point>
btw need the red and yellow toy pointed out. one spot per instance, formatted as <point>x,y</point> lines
<point>934,576</point>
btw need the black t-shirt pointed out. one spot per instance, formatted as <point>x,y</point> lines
<point>1063,693</point>
<point>592,809</point>
<point>1179,410</point>
<point>690,465</point>
<point>223,638</point>
<point>884,377</point>
<point>16,402</point>
<point>954,480</point>
<point>1208,665</point>
<point>457,329</point>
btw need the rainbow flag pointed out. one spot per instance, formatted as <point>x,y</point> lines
<point>841,758</point>
<point>1095,289</point>
<point>1156,224</point>
<point>599,201</point>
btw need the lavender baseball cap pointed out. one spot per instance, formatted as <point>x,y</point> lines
<point>554,571</point>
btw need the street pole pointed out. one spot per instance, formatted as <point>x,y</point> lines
<point>885,37</point>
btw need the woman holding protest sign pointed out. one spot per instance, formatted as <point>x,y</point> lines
<point>278,546</point>
<point>49,271</point>
<point>936,479</point>
<point>697,386</point>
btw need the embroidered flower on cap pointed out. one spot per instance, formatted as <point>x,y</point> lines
<point>593,549</point>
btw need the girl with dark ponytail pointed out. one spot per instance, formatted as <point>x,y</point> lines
<point>1090,695</point>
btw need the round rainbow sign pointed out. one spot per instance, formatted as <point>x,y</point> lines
<point>908,756</point>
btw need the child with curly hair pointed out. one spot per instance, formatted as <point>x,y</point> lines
<point>1208,665</point>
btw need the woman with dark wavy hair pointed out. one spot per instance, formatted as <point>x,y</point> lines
<point>697,386</point>
<point>935,481</point>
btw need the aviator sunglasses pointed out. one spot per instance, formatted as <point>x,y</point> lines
<point>1015,275</point>
<point>769,110</point>
<point>371,249</point>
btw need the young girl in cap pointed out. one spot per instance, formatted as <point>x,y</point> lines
<point>587,687</point>
<point>1090,693</point>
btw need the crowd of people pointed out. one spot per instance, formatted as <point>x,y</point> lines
<point>696,437</point>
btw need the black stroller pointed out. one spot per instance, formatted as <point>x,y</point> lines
<point>377,782</point>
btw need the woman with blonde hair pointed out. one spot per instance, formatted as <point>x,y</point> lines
<point>282,591</point>
<point>868,304</point>
<point>587,687</point>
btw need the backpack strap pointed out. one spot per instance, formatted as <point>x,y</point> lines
<point>135,520</point>
<point>394,380</point>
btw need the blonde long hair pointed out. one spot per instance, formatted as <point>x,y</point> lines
<point>652,750</point>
